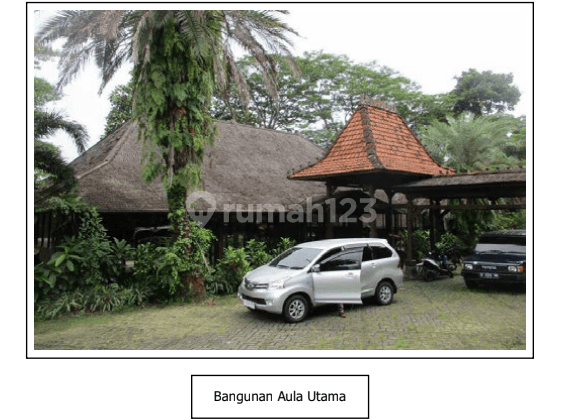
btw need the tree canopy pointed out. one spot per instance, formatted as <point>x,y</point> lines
<point>319,99</point>
<point>121,108</point>
<point>484,93</point>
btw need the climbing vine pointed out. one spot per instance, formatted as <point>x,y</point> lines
<point>172,97</point>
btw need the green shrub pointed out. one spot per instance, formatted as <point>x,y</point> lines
<point>510,220</point>
<point>88,272</point>
<point>165,270</point>
<point>62,273</point>
<point>283,245</point>
<point>91,258</point>
<point>256,253</point>
<point>231,269</point>
<point>100,298</point>
<point>448,242</point>
<point>218,285</point>
<point>104,257</point>
<point>420,242</point>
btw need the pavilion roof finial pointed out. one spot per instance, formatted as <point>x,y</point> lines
<point>367,100</point>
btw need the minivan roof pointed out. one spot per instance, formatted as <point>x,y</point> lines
<point>330,243</point>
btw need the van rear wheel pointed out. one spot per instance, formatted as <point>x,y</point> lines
<point>384,293</point>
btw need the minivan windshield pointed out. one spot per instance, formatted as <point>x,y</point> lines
<point>295,258</point>
<point>501,244</point>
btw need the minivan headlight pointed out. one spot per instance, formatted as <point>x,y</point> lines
<point>468,266</point>
<point>278,284</point>
<point>512,269</point>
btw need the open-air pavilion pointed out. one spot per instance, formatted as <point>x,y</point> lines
<point>377,151</point>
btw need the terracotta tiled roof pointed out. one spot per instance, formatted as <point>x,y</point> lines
<point>374,140</point>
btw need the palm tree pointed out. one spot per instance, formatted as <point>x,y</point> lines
<point>52,173</point>
<point>47,122</point>
<point>179,58</point>
<point>468,143</point>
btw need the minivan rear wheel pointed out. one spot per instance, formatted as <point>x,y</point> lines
<point>384,293</point>
<point>296,308</point>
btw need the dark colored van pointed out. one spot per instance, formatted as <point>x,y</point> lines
<point>498,258</point>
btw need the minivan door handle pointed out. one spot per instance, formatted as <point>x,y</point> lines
<point>350,275</point>
<point>373,264</point>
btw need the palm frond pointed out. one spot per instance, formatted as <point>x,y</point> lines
<point>47,123</point>
<point>262,35</point>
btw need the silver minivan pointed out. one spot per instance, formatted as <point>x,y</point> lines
<point>323,272</point>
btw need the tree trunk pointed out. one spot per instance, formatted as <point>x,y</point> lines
<point>177,195</point>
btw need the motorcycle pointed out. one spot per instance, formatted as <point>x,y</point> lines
<point>453,258</point>
<point>434,265</point>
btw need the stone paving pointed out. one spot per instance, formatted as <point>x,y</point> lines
<point>442,314</point>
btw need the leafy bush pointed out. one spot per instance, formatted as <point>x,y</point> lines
<point>448,242</point>
<point>91,258</point>
<point>231,269</point>
<point>166,269</point>
<point>62,272</point>
<point>88,272</point>
<point>420,242</point>
<point>283,245</point>
<point>510,220</point>
<point>256,253</point>
<point>103,258</point>
<point>87,299</point>
<point>218,285</point>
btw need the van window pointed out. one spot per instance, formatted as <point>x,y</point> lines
<point>347,260</point>
<point>367,254</point>
<point>380,252</point>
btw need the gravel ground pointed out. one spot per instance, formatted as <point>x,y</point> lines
<point>441,315</point>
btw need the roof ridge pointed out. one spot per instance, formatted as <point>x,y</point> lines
<point>371,144</point>
<point>416,138</point>
<point>261,128</point>
<point>112,153</point>
<point>365,100</point>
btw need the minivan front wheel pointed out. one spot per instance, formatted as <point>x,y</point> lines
<point>296,308</point>
<point>384,293</point>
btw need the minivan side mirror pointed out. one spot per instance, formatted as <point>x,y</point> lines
<point>315,268</point>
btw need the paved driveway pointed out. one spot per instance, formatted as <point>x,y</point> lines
<point>442,314</point>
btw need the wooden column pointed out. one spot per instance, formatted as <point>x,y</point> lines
<point>410,227</point>
<point>436,222</point>
<point>330,189</point>
<point>388,216</point>
<point>433,227</point>
<point>373,224</point>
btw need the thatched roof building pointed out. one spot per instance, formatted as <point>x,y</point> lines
<point>247,166</point>
<point>491,185</point>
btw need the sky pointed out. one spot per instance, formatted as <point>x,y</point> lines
<point>427,43</point>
